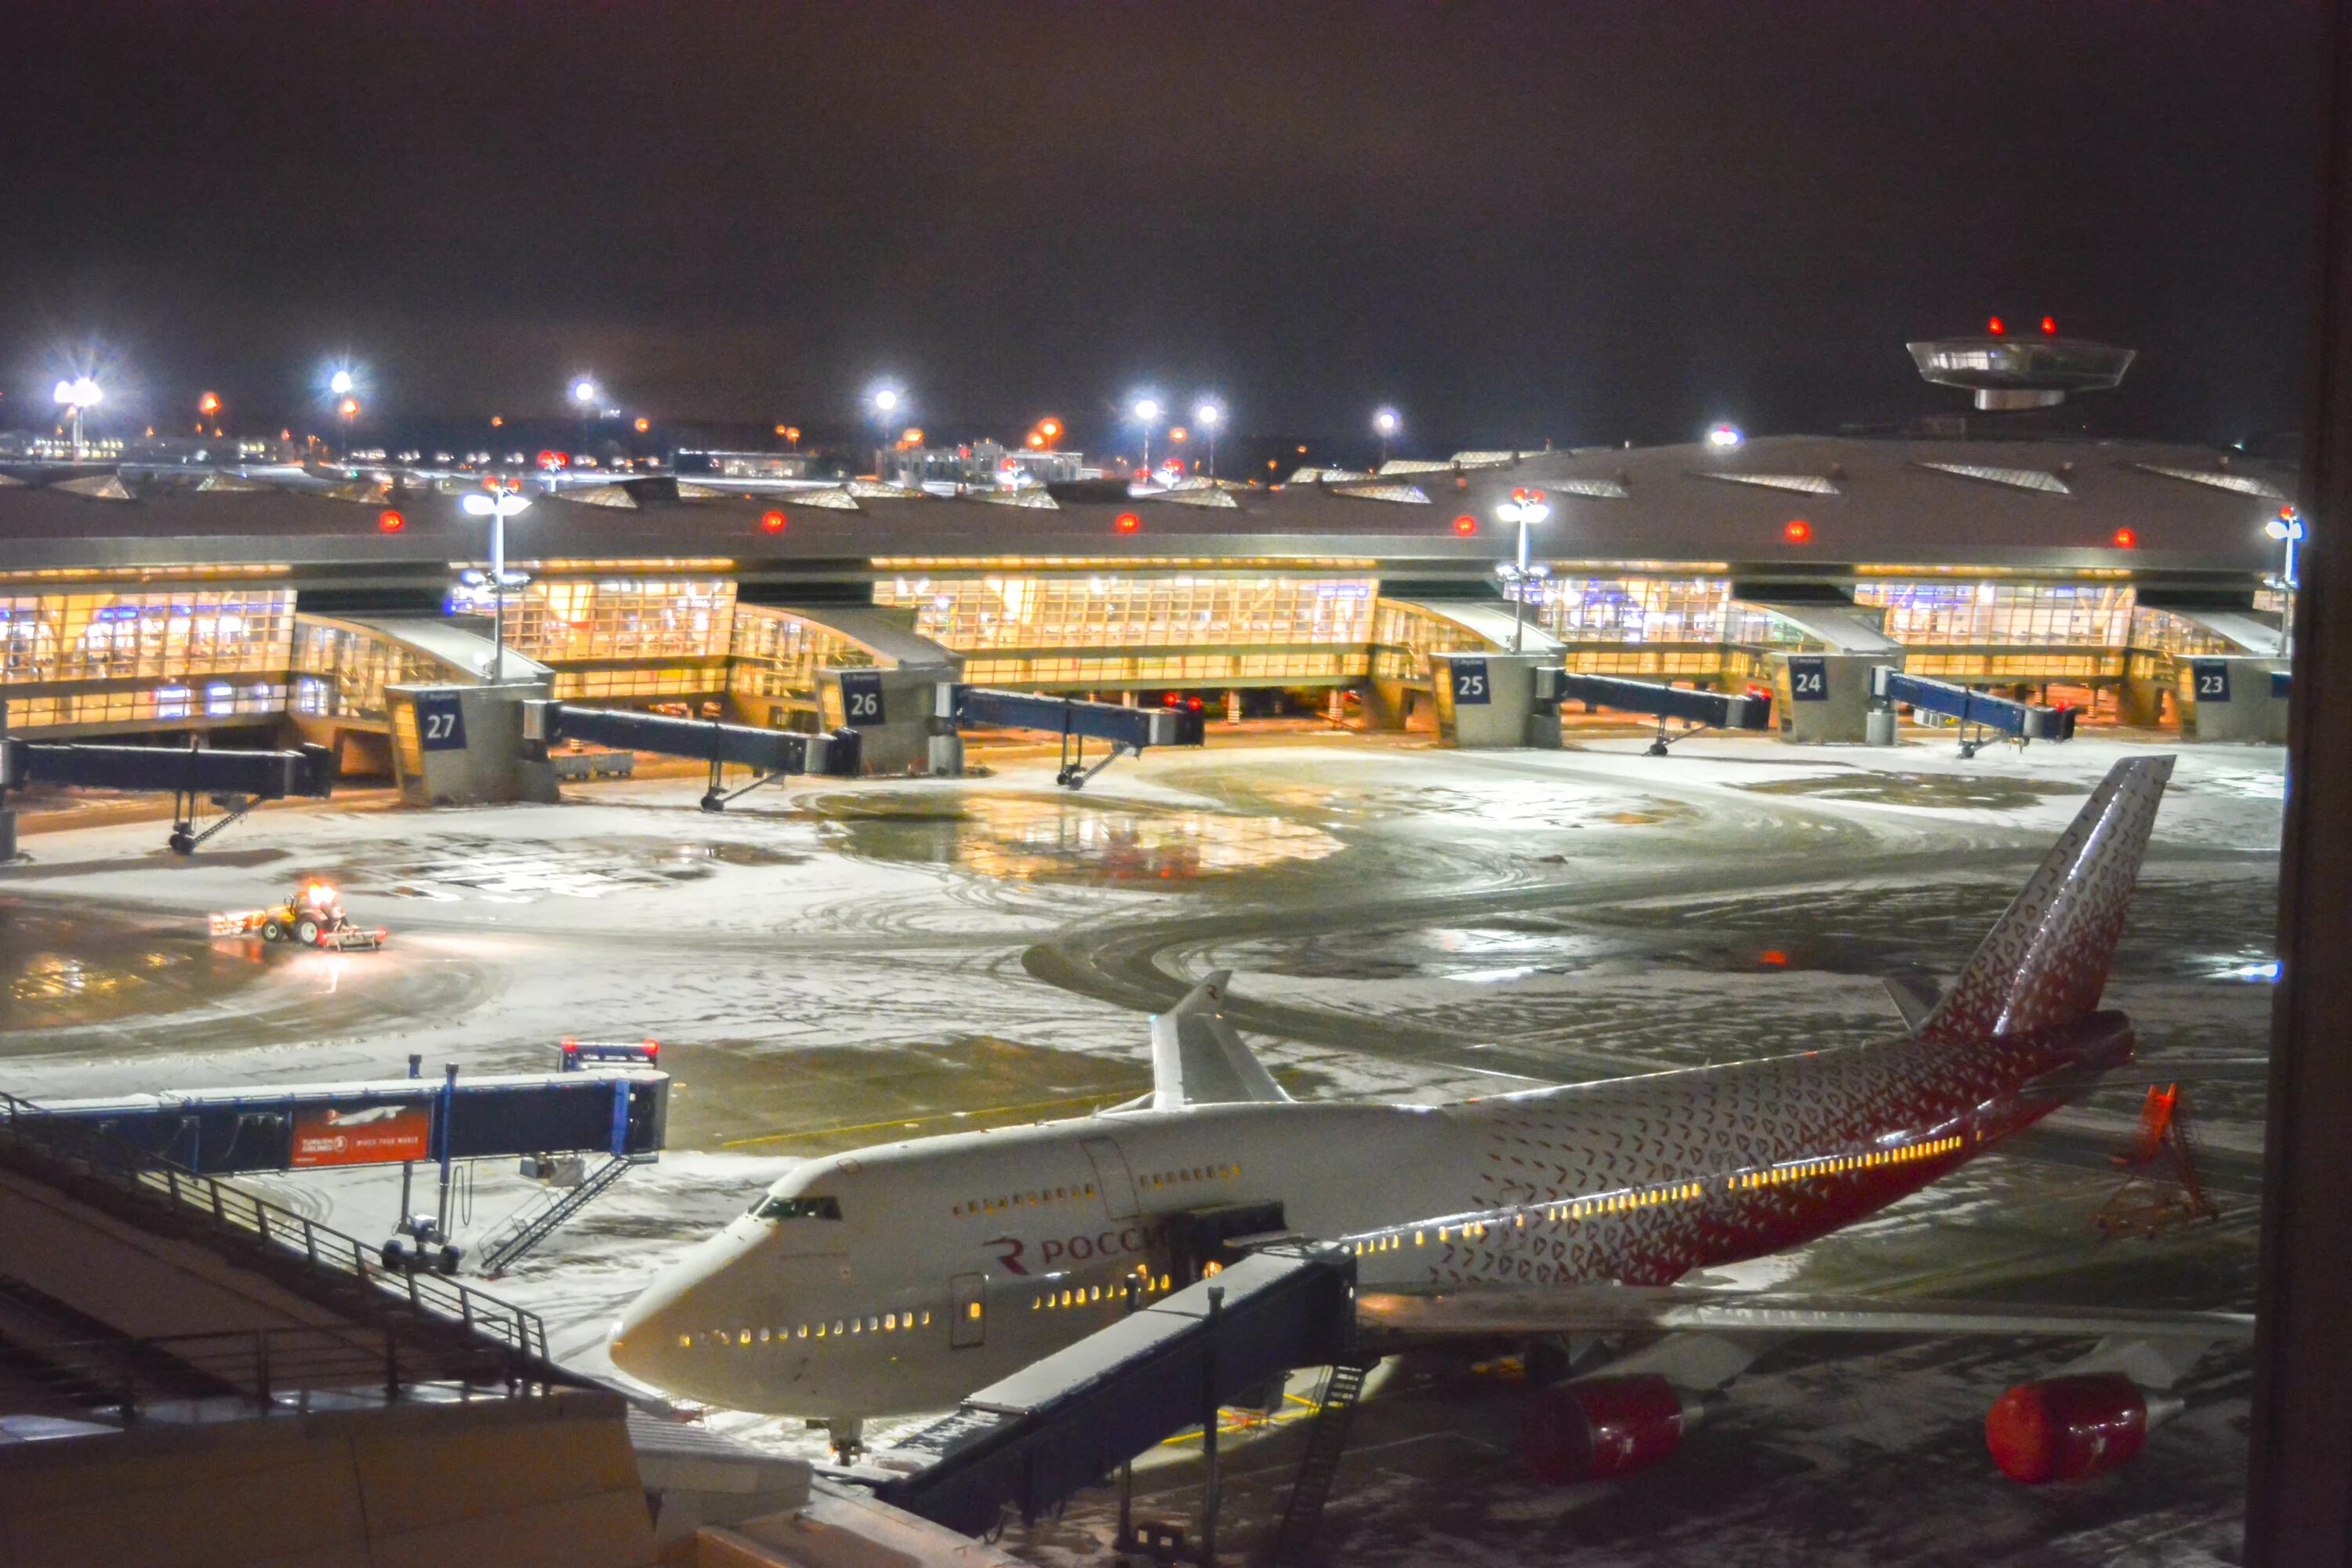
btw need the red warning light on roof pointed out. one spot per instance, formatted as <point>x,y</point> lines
<point>388,522</point>
<point>773,521</point>
<point>2126,540</point>
<point>2049,326</point>
<point>1795,531</point>
<point>1465,525</point>
<point>1128,522</point>
<point>1996,327</point>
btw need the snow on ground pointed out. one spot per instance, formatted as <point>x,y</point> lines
<point>847,963</point>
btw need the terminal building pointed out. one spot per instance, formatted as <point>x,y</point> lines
<point>159,593</point>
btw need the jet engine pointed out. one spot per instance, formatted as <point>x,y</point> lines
<point>2072,1428</point>
<point>1602,1427</point>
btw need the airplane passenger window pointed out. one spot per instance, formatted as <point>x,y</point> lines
<point>797,1208</point>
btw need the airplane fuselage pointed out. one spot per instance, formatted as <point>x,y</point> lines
<point>955,1260</point>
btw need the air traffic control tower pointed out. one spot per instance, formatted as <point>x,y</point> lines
<point>2008,373</point>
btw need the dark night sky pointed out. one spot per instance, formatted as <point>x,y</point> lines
<point>1585,222</point>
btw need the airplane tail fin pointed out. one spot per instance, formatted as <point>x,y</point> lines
<point>2045,961</point>
<point>1198,1059</point>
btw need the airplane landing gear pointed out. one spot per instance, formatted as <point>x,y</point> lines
<point>847,1434</point>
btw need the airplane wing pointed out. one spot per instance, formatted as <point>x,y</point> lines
<point>1198,1059</point>
<point>1616,1308</point>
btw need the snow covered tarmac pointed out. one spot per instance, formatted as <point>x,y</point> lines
<point>851,964</point>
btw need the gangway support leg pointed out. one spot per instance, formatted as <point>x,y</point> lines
<point>715,798</point>
<point>185,834</point>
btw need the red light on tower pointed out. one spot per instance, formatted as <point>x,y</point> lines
<point>773,521</point>
<point>2126,540</point>
<point>389,522</point>
<point>1995,327</point>
<point>1796,531</point>
<point>2049,326</point>
<point>1128,522</point>
<point>1466,525</point>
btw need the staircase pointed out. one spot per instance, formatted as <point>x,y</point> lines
<point>1327,1444</point>
<point>545,1214</point>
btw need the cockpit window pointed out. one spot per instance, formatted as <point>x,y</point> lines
<point>796,1208</point>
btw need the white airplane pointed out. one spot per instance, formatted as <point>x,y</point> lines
<point>898,1279</point>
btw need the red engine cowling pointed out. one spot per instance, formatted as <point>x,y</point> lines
<point>1601,1428</point>
<point>2067,1428</point>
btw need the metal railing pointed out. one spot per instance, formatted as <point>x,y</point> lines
<point>219,1374</point>
<point>230,1212</point>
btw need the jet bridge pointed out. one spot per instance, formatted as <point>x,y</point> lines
<point>1067,1421</point>
<point>225,1131</point>
<point>231,782</point>
<point>1129,730</point>
<point>1696,711</point>
<point>771,755</point>
<point>549,1120</point>
<point>1979,714</point>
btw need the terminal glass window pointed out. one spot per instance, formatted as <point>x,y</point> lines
<point>180,633</point>
<point>986,614</point>
<point>1634,609</point>
<point>2003,614</point>
<point>345,668</point>
<point>2161,631</point>
<point>778,654</point>
<point>618,618</point>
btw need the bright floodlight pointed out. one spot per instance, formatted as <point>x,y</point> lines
<point>886,400</point>
<point>341,384</point>
<point>80,392</point>
<point>2275,529</point>
<point>583,391</point>
<point>1207,416</point>
<point>480,505</point>
<point>1386,422</point>
<point>1723,438</point>
<point>1146,409</point>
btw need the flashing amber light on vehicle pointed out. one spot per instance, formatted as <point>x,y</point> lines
<point>1796,531</point>
<point>1996,327</point>
<point>2049,326</point>
<point>1465,525</point>
<point>390,521</point>
<point>1128,522</point>
<point>2126,540</point>
<point>773,521</point>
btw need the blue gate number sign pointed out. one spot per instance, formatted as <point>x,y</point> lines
<point>2212,679</point>
<point>861,697</point>
<point>1809,680</point>
<point>441,722</point>
<point>1470,682</point>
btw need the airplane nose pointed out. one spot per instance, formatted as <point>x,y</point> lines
<point>682,1315</point>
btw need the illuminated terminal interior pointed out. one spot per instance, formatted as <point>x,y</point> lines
<point>164,599</point>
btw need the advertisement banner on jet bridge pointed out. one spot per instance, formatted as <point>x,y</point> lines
<point>361,1135</point>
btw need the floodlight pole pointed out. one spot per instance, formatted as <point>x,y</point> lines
<point>498,590</point>
<point>1519,586</point>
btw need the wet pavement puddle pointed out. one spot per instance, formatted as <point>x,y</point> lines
<point>1043,838</point>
